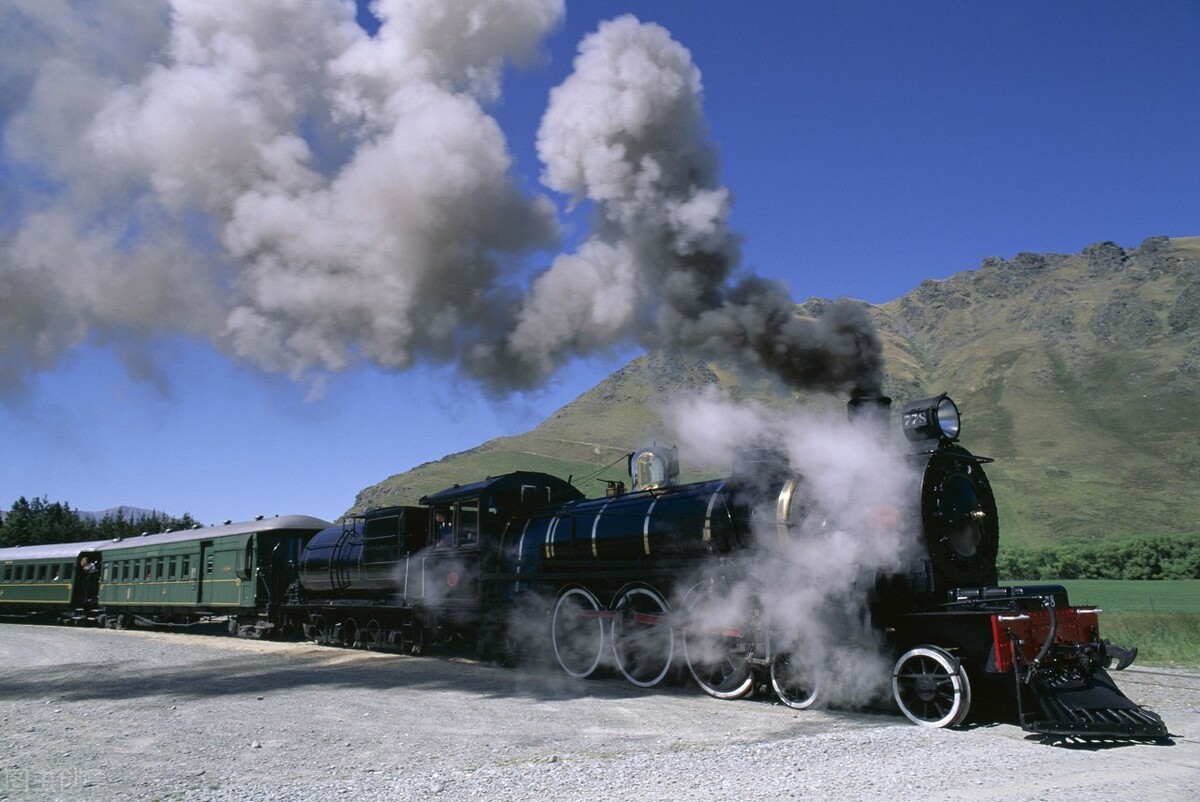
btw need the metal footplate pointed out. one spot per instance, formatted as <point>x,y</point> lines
<point>1087,704</point>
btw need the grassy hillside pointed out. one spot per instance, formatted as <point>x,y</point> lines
<point>1077,372</point>
<point>580,440</point>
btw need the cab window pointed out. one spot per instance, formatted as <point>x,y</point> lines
<point>456,525</point>
<point>468,522</point>
<point>443,527</point>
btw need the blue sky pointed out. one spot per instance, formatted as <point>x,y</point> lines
<point>867,146</point>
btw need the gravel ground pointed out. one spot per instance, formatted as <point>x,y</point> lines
<point>91,714</point>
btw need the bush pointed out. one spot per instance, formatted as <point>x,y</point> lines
<point>1138,557</point>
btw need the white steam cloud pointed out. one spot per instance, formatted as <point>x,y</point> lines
<point>858,521</point>
<point>272,179</point>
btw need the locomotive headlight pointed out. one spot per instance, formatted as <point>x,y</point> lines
<point>934,418</point>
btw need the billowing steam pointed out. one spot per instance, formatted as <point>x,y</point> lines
<point>857,522</point>
<point>272,179</point>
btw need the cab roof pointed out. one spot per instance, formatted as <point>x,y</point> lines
<point>509,484</point>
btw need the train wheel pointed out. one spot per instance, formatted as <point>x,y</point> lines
<point>510,651</point>
<point>931,687</point>
<point>372,635</point>
<point>716,651</point>
<point>315,630</point>
<point>794,686</point>
<point>642,637</point>
<point>414,639</point>
<point>577,632</point>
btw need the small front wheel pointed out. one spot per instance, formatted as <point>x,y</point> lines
<point>931,687</point>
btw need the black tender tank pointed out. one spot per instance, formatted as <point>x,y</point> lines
<point>366,555</point>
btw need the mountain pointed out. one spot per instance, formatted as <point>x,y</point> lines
<point>1077,372</point>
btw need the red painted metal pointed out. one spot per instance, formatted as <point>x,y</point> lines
<point>1028,632</point>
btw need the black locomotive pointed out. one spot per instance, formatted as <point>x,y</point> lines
<point>671,575</point>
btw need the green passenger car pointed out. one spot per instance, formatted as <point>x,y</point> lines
<point>59,578</point>
<point>236,570</point>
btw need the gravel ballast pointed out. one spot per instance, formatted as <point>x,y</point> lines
<point>89,714</point>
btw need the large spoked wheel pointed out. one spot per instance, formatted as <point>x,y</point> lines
<point>931,687</point>
<point>716,651</point>
<point>795,687</point>
<point>643,640</point>
<point>577,632</point>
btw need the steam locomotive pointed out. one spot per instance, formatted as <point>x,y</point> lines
<point>643,583</point>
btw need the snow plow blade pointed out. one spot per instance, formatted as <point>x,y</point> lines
<point>1091,706</point>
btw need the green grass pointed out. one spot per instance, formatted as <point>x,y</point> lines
<point>1162,639</point>
<point>1160,618</point>
<point>1135,596</point>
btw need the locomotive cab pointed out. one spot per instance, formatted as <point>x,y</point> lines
<point>466,526</point>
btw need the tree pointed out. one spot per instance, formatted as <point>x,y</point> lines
<point>32,523</point>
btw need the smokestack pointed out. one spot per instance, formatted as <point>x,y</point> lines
<point>870,409</point>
